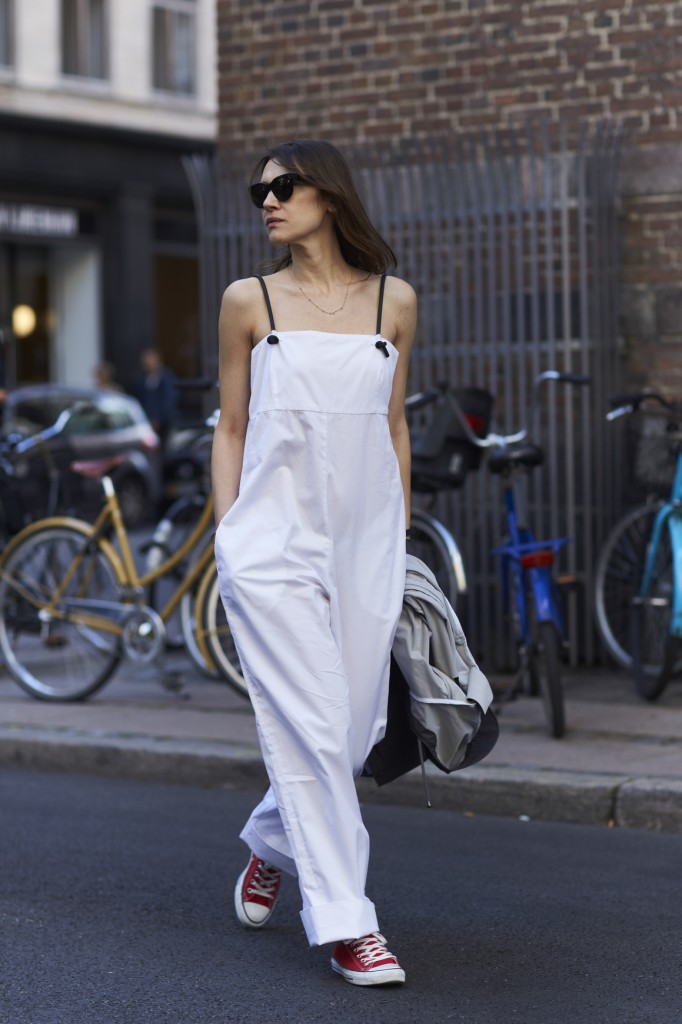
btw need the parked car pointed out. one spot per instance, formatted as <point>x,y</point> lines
<point>104,425</point>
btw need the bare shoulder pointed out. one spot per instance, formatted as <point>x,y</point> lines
<point>241,295</point>
<point>401,292</point>
<point>240,311</point>
<point>401,300</point>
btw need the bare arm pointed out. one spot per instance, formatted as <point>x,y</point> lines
<point>404,310</point>
<point>235,338</point>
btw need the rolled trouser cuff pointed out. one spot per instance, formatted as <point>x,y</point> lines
<point>334,922</point>
<point>250,836</point>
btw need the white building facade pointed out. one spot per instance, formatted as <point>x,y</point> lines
<point>99,101</point>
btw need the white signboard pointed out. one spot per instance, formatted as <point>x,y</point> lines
<point>38,221</point>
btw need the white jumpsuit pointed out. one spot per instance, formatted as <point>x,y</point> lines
<point>311,564</point>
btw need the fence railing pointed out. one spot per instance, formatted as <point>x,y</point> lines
<point>511,245</point>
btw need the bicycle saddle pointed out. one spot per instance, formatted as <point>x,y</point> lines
<point>95,468</point>
<point>503,459</point>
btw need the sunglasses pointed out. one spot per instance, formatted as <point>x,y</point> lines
<point>282,188</point>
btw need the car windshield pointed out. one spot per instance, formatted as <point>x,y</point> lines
<point>111,412</point>
<point>118,411</point>
<point>30,415</point>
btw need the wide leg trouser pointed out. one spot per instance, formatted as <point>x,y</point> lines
<point>320,705</point>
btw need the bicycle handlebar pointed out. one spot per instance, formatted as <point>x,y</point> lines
<point>36,440</point>
<point>630,402</point>
<point>568,378</point>
<point>422,398</point>
<point>491,440</point>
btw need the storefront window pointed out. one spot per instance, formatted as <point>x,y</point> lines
<point>84,38</point>
<point>174,46</point>
<point>25,313</point>
<point>177,312</point>
<point>6,33</point>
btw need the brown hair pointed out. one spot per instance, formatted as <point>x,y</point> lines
<point>322,165</point>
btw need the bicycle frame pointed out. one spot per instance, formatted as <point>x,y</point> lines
<point>530,561</point>
<point>670,517</point>
<point>526,564</point>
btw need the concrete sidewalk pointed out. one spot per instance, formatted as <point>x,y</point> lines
<point>620,762</point>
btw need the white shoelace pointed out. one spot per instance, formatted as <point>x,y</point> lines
<point>265,879</point>
<point>371,949</point>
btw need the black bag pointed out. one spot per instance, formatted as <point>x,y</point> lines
<point>398,752</point>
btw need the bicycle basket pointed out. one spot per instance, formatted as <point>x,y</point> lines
<point>652,443</point>
<point>441,454</point>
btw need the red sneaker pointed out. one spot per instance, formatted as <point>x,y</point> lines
<point>366,961</point>
<point>256,892</point>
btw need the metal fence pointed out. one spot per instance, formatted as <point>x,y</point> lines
<point>511,245</point>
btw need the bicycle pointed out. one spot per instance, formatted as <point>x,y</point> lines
<point>529,585</point>
<point>176,525</point>
<point>441,459</point>
<point>71,587</point>
<point>638,585</point>
<point>14,449</point>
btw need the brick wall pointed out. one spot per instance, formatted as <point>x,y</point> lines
<point>372,69</point>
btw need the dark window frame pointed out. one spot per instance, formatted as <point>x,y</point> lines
<point>85,40</point>
<point>173,72</point>
<point>7,40</point>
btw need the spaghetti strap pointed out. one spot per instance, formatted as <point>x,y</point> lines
<point>381,301</point>
<point>267,301</point>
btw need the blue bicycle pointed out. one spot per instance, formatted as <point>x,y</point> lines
<point>529,584</point>
<point>639,582</point>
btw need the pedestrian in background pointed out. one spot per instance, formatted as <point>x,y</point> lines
<point>156,393</point>
<point>311,470</point>
<point>104,377</point>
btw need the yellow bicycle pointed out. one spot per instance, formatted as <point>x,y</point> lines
<point>73,604</point>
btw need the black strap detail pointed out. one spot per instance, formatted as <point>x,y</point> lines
<point>382,346</point>
<point>267,301</point>
<point>381,303</point>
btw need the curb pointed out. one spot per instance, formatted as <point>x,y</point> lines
<point>581,798</point>
<point>149,759</point>
<point>540,795</point>
<point>607,799</point>
<point>654,804</point>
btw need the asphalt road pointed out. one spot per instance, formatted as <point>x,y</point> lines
<point>115,906</point>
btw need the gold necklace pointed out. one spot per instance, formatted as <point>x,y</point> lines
<point>327,312</point>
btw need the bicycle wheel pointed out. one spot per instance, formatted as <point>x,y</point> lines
<point>62,657</point>
<point>436,547</point>
<point>170,533</point>
<point>548,666</point>
<point>219,638</point>
<point>654,649</point>
<point>188,622</point>
<point>671,657</point>
<point>618,579</point>
<point>519,627</point>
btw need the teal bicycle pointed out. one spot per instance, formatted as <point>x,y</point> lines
<point>639,577</point>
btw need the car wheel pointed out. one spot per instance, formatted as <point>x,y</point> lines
<point>133,499</point>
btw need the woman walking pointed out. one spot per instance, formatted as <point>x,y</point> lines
<point>311,470</point>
